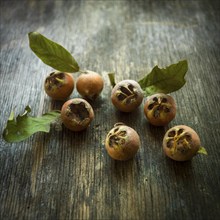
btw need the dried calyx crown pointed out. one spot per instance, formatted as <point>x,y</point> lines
<point>117,136</point>
<point>55,78</point>
<point>179,137</point>
<point>127,93</point>
<point>159,104</point>
<point>78,111</point>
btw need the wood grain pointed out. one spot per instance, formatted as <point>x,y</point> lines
<point>67,175</point>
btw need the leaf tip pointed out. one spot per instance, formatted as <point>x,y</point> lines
<point>111,77</point>
<point>11,116</point>
<point>30,34</point>
<point>202,150</point>
<point>33,33</point>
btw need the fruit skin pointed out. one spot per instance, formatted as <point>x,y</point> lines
<point>122,142</point>
<point>59,85</point>
<point>160,109</point>
<point>181,143</point>
<point>127,95</point>
<point>77,114</point>
<point>89,85</point>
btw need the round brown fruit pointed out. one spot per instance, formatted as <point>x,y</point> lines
<point>89,85</point>
<point>122,142</point>
<point>59,85</point>
<point>181,143</point>
<point>160,109</point>
<point>127,95</point>
<point>77,114</point>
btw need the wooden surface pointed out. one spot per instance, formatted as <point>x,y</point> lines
<point>66,175</point>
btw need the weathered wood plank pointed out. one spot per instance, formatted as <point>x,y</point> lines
<point>66,175</point>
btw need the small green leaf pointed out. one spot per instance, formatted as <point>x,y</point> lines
<point>165,80</point>
<point>202,150</point>
<point>52,53</point>
<point>111,77</point>
<point>22,127</point>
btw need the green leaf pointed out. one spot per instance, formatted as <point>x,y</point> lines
<point>22,127</point>
<point>165,80</point>
<point>111,77</point>
<point>52,53</point>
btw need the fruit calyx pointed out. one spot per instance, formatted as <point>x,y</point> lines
<point>54,80</point>
<point>158,105</point>
<point>127,93</point>
<point>178,139</point>
<point>117,138</point>
<point>78,112</point>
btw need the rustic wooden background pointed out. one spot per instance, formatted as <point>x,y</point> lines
<point>66,175</point>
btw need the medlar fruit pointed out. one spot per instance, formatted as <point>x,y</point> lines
<point>181,143</point>
<point>122,142</point>
<point>127,95</point>
<point>59,85</point>
<point>89,85</point>
<point>77,114</point>
<point>160,109</point>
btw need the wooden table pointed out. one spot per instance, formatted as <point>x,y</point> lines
<point>67,175</point>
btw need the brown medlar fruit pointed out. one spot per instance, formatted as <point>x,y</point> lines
<point>77,114</point>
<point>160,109</point>
<point>127,95</point>
<point>89,85</point>
<point>59,85</point>
<point>122,142</point>
<point>181,143</point>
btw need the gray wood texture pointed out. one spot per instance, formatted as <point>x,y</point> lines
<point>67,175</point>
